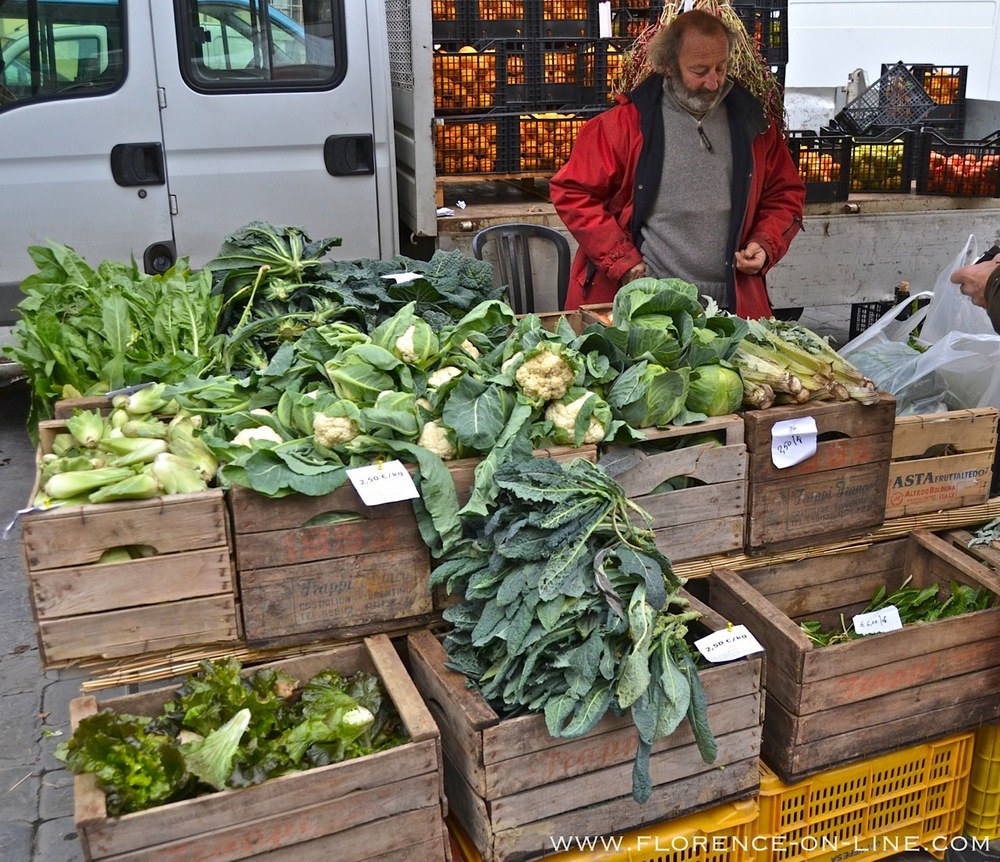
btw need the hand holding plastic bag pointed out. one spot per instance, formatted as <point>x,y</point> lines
<point>953,361</point>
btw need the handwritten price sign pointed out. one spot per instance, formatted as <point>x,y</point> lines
<point>793,441</point>
<point>387,482</point>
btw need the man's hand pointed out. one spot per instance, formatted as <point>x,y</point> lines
<point>637,271</point>
<point>972,280</point>
<point>751,259</point>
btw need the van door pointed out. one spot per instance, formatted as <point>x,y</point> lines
<point>81,157</point>
<point>269,115</point>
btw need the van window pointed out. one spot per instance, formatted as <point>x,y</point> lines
<point>48,48</point>
<point>262,44</point>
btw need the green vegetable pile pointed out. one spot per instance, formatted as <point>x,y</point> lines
<point>571,610</point>
<point>133,453</point>
<point>225,730</point>
<point>672,354</point>
<point>915,605</point>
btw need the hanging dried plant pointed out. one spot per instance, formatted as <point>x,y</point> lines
<point>746,64</point>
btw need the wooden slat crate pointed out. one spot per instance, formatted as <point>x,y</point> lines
<point>834,704</point>
<point>388,805</point>
<point>941,461</point>
<point>303,577</point>
<point>710,516</point>
<point>838,492</point>
<point>512,786</point>
<point>183,595</point>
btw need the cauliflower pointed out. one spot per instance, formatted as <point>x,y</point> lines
<point>563,418</point>
<point>442,375</point>
<point>404,347</point>
<point>330,431</point>
<point>470,348</point>
<point>545,376</point>
<point>438,439</point>
<point>261,432</point>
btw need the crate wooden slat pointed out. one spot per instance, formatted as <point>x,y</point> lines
<point>834,704</point>
<point>959,476</point>
<point>388,805</point>
<point>182,594</point>
<point>512,786</point>
<point>710,516</point>
<point>840,491</point>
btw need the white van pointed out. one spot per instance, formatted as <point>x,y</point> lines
<point>152,131</point>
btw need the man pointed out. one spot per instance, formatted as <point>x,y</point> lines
<point>684,177</point>
<point>980,281</point>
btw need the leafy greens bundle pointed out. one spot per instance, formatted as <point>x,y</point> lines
<point>570,609</point>
<point>222,729</point>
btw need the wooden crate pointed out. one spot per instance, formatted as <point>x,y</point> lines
<point>941,461</point>
<point>303,579</point>
<point>839,492</point>
<point>388,805</point>
<point>707,518</point>
<point>831,705</point>
<point>512,786</point>
<point>183,595</point>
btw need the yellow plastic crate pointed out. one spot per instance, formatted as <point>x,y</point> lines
<point>982,814</point>
<point>720,834</point>
<point>909,799</point>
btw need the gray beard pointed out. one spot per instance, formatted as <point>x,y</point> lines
<point>695,103</point>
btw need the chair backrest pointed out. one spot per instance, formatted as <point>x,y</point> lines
<point>512,253</point>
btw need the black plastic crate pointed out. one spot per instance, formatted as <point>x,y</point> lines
<point>565,78</point>
<point>882,163</point>
<point>467,78</point>
<point>545,139</point>
<point>451,20</point>
<point>504,19</point>
<point>946,86</point>
<point>958,168</point>
<point>601,63</point>
<point>569,19</point>
<point>866,314</point>
<point>896,100</point>
<point>823,162</point>
<point>630,19</point>
<point>766,23</point>
<point>475,145</point>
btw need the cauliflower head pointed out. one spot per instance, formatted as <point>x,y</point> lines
<point>438,438</point>
<point>442,375</point>
<point>545,376</point>
<point>564,415</point>
<point>260,432</point>
<point>405,349</point>
<point>331,431</point>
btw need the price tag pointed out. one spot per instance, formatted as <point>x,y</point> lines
<point>728,644</point>
<point>885,620</point>
<point>403,277</point>
<point>387,482</point>
<point>793,441</point>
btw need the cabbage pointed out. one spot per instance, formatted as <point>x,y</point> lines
<point>714,390</point>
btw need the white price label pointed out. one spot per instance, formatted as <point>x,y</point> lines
<point>728,644</point>
<point>793,441</point>
<point>387,482</point>
<point>885,620</point>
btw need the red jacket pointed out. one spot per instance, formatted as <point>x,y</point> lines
<point>610,181</point>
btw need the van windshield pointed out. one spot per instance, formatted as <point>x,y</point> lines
<point>66,48</point>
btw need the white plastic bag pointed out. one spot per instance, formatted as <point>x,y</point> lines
<point>950,310</point>
<point>956,361</point>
